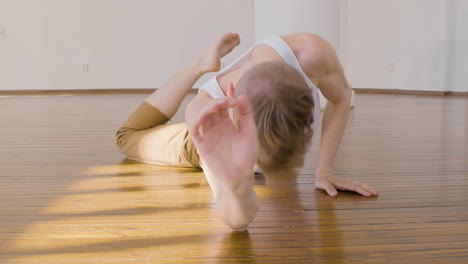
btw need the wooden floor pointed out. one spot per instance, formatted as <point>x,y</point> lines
<point>68,196</point>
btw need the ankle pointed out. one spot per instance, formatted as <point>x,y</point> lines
<point>196,65</point>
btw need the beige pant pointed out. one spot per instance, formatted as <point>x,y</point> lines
<point>147,138</point>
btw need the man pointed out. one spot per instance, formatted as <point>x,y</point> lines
<point>261,110</point>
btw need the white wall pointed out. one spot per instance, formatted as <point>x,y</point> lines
<point>457,46</point>
<point>282,17</point>
<point>409,33</point>
<point>140,43</point>
<point>128,43</point>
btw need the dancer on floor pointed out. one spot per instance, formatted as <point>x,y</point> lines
<point>262,110</point>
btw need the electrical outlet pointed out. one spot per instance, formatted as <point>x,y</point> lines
<point>391,67</point>
<point>85,67</point>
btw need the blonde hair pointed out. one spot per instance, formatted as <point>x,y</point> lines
<point>283,106</point>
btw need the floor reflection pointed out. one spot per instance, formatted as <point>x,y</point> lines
<point>238,246</point>
<point>328,231</point>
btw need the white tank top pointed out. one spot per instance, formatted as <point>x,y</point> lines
<point>281,47</point>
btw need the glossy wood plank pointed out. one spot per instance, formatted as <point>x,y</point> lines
<point>68,196</point>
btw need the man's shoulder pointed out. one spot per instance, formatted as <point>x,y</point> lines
<point>308,43</point>
<point>315,54</point>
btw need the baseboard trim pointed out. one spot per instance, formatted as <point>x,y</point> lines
<point>148,91</point>
<point>457,93</point>
<point>74,92</point>
<point>409,92</point>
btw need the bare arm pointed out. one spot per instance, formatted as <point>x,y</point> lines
<point>335,88</point>
<point>335,117</point>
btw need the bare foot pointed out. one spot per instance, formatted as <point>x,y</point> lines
<point>210,61</point>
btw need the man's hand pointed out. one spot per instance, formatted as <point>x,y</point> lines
<point>228,147</point>
<point>330,183</point>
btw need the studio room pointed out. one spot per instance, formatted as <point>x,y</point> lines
<point>234,131</point>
